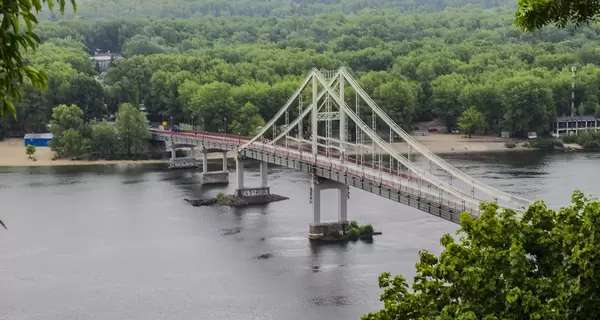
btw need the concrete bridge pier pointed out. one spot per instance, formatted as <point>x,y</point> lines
<point>257,195</point>
<point>214,177</point>
<point>183,162</point>
<point>323,230</point>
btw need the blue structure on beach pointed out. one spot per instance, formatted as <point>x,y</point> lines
<point>38,139</point>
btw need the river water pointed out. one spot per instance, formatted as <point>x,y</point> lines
<point>119,242</point>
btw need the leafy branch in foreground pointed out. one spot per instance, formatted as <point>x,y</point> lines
<point>542,265</point>
<point>14,41</point>
<point>532,15</point>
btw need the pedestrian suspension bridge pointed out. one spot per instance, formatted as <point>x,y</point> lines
<point>331,129</point>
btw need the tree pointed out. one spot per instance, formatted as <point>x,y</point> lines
<point>104,141</point>
<point>30,151</point>
<point>541,265</point>
<point>211,103</point>
<point>247,121</point>
<point>132,128</point>
<point>13,42</point>
<point>446,91</point>
<point>398,100</point>
<point>88,94</point>
<point>73,144</point>
<point>471,121</point>
<point>67,118</point>
<point>528,104</point>
<point>535,14</point>
<point>487,99</point>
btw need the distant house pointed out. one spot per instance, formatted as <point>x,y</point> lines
<point>574,125</point>
<point>103,60</point>
<point>38,139</point>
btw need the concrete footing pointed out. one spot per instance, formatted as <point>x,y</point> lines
<point>253,192</point>
<point>214,177</point>
<point>182,163</point>
<point>328,231</point>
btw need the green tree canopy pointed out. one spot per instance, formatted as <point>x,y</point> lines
<point>13,42</point>
<point>471,121</point>
<point>541,265</point>
<point>68,130</point>
<point>132,128</point>
<point>535,14</point>
<point>104,140</point>
<point>248,120</point>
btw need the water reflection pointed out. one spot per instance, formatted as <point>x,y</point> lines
<point>112,242</point>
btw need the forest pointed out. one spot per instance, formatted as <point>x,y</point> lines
<point>203,61</point>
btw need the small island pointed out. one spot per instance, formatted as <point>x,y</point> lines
<point>234,201</point>
<point>341,232</point>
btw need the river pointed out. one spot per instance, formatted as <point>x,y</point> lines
<point>119,242</point>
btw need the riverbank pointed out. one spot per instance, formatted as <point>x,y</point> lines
<point>440,143</point>
<point>12,151</point>
<point>12,154</point>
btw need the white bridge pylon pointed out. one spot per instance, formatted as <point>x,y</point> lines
<point>338,132</point>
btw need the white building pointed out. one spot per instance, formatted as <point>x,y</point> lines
<point>574,125</point>
<point>103,60</point>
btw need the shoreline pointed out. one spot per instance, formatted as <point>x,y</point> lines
<point>12,155</point>
<point>12,151</point>
<point>77,163</point>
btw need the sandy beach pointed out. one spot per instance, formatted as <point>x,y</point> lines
<point>12,151</point>
<point>12,154</point>
<point>440,143</point>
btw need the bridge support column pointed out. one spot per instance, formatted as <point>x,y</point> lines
<point>316,202</point>
<point>239,168</point>
<point>252,195</point>
<point>328,230</point>
<point>184,162</point>
<point>204,162</point>
<point>264,175</point>
<point>343,204</point>
<point>214,177</point>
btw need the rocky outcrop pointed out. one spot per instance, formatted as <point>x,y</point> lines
<point>233,201</point>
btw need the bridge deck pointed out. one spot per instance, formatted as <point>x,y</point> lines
<point>395,182</point>
<point>397,186</point>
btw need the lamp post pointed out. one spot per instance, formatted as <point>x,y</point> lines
<point>225,123</point>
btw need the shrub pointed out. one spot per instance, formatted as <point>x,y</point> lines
<point>220,196</point>
<point>366,230</point>
<point>30,151</point>
<point>353,234</point>
<point>510,145</point>
<point>569,139</point>
<point>589,140</point>
<point>544,144</point>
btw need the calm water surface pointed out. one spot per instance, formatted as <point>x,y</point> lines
<point>119,242</point>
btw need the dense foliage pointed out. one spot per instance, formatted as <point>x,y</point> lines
<point>471,121</point>
<point>14,41</point>
<point>534,14</point>
<point>238,65</point>
<point>589,140</point>
<point>74,137</point>
<point>418,65</point>
<point>543,265</point>
<point>93,9</point>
